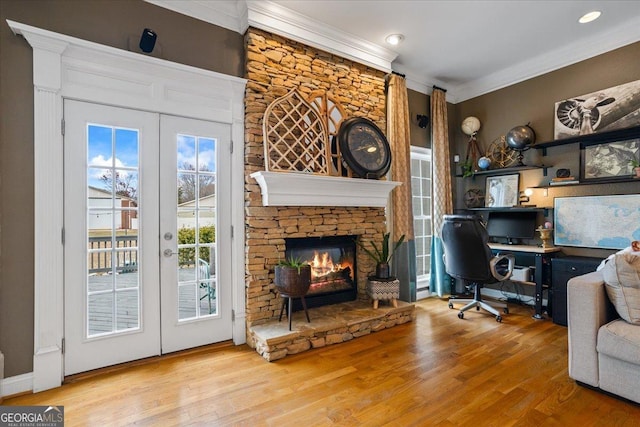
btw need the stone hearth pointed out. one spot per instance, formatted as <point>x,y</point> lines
<point>330,324</point>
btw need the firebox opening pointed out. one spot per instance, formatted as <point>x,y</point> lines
<point>333,268</point>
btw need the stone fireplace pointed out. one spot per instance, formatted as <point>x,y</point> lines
<point>276,223</point>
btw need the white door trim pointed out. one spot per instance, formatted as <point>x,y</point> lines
<point>67,67</point>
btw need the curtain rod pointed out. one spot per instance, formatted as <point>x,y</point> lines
<point>399,74</point>
<point>436,87</point>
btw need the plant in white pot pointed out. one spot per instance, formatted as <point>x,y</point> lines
<point>382,256</point>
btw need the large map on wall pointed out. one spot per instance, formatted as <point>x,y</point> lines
<point>607,222</point>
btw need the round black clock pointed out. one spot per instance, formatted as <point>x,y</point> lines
<point>364,147</point>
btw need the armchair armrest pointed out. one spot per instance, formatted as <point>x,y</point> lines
<point>588,308</point>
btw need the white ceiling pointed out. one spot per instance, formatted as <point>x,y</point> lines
<point>467,47</point>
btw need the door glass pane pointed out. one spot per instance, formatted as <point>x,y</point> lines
<point>187,297</point>
<point>187,190</point>
<point>113,286</point>
<point>98,196</point>
<point>196,225</point>
<point>127,309</point>
<point>206,155</point>
<point>100,313</point>
<point>126,148</point>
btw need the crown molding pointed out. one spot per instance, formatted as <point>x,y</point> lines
<point>550,61</point>
<point>274,18</point>
<point>238,15</point>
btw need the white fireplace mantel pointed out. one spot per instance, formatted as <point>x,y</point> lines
<point>304,189</point>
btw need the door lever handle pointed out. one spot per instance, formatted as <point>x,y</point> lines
<point>168,252</point>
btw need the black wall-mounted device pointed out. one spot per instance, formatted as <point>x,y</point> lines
<point>148,40</point>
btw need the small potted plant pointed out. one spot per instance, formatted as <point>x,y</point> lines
<point>635,164</point>
<point>467,169</point>
<point>382,256</point>
<point>292,277</point>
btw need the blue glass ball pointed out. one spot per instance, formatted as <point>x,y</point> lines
<point>484,163</point>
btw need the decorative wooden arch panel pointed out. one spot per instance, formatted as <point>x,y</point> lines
<point>295,136</point>
<point>298,134</point>
<point>333,113</point>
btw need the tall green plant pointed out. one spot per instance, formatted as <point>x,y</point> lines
<point>382,255</point>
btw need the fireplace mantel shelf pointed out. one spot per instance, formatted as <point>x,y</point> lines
<point>303,189</point>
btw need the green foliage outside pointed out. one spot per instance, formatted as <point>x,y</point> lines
<point>186,236</point>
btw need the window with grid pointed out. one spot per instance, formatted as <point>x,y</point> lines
<point>422,225</point>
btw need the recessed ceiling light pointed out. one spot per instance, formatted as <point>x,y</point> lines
<point>394,39</point>
<point>588,17</point>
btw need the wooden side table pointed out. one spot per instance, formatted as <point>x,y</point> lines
<point>383,289</point>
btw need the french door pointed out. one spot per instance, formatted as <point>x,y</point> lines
<point>195,230</point>
<point>146,234</point>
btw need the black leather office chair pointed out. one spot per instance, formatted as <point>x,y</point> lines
<point>467,256</point>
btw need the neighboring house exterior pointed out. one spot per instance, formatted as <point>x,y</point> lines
<point>207,212</point>
<point>103,218</point>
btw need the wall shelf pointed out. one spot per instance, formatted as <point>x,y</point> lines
<point>508,170</point>
<point>603,181</point>
<point>510,209</point>
<point>591,139</point>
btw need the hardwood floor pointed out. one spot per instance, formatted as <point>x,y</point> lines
<point>436,371</point>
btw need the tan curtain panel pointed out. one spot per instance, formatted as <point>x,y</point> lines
<point>441,196</point>
<point>404,259</point>
<point>398,136</point>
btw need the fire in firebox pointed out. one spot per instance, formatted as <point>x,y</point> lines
<point>334,268</point>
<point>328,275</point>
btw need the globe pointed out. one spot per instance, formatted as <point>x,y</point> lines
<point>484,163</point>
<point>470,125</point>
<point>521,138</point>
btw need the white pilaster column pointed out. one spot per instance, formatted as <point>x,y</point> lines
<point>48,211</point>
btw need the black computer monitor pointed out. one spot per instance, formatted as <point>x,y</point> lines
<point>512,225</point>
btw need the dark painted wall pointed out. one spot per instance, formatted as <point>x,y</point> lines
<point>419,104</point>
<point>533,101</point>
<point>180,38</point>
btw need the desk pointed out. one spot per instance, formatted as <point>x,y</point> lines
<point>536,257</point>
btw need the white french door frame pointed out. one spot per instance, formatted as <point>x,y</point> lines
<point>68,67</point>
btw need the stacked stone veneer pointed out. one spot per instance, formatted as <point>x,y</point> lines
<point>274,66</point>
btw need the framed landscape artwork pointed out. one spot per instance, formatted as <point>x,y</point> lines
<point>609,161</point>
<point>502,191</point>
<point>604,110</point>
